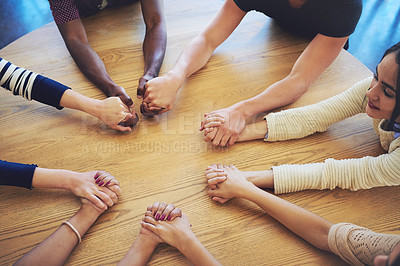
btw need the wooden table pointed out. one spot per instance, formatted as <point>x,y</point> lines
<point>164,158</point>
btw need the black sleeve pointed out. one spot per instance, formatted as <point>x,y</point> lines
<point>245,5</point>
<point>342,19</point>
<point>16,174</point>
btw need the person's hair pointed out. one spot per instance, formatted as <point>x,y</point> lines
<point>396,111</point>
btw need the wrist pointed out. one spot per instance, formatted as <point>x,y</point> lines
<point>91,211</point>
<point>94,107</point>
<point>187,243</point>
<point>264,179</point>
<point>176,77</point>
<point>244,107</point>
<point>150,74</point>
<point>244,190</point>
<point>69,179</point>
<point>147,242</point>
<point>108,88</point>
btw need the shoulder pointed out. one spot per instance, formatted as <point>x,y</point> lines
<point>63,11</point>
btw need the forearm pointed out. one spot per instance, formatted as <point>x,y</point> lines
<point>254,131</point>
<point>154,46</point>
<point>193,58</point>
<point>74,100</point>
<point>90,64</point>
<point>140,252</point>
<point>197,253</point>
<point>53,178</point>
<point>261,179</point>
<point>309,226</point>
<point>281,93</point>
<point>55,249</point>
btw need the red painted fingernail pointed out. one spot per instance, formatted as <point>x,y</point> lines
<point>157,216</point>
<point>162,217</point>
<point>108,183</point>
<point>101,183</point>
<point>98,180</point>
<point>155,213</point>
<point>96,175</point>
<point>169,218</point>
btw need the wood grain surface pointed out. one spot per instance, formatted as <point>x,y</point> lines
<point>164,158</point>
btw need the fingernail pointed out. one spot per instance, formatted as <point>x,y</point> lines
<point>101,183</point>
<point>162,217</point>
<point>108,183</point>
<point>96,175</point>
<point>157,217</point>
<point>97,181</point>
<point>169,218</point>
<point>155,213</point>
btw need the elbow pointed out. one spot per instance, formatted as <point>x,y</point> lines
<point>156,22</point>
<point>73,41</point>
<point>298,84</point>
<point>321,239</point>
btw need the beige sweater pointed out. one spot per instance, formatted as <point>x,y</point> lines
<point>353,174</point>
<point>358,245</point>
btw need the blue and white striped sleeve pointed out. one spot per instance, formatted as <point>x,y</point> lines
<point>29,85</point>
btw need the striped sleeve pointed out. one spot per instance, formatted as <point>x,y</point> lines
<point>29,85</point>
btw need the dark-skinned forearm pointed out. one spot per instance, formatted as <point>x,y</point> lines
<point>91,65</point>
<point>154,46</point>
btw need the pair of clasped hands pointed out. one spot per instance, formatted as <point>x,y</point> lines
<point>162,222</point>
<point>117,111</point>
<point>222,127</point>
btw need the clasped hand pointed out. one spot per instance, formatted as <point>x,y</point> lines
<point>98,187</point>
<point>223,126</point>
<point>163,223</point>
<point>116,114</point>
<point>225,182</point>
<point>159,95</point>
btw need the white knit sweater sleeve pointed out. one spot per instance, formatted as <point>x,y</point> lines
<point>353,174</point>
<point>357,245</point>
<point>303,121</point>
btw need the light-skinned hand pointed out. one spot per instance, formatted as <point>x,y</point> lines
<point>84,185</point>
<point>164,211</point>
<point>235,184</point>
<point>176,233</point>
<point>160,94</point>
<point>113,112</point>
<point>222,127</point>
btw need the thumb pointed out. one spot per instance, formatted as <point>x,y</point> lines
<point>141,88</point>
<point>125,99</point>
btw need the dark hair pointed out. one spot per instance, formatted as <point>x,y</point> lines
<point>396,111</point>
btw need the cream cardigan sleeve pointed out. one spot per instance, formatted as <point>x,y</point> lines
<point>303,121</point>
<point>353,174</point>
